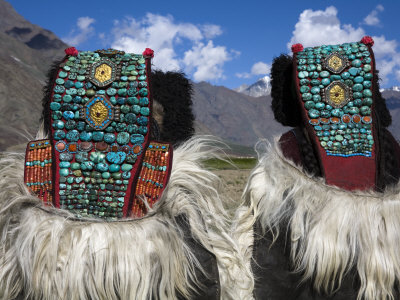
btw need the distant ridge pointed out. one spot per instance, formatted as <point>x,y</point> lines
<point>262,87</point>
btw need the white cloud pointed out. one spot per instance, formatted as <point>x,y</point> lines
<point>324,27</point>
<point>83,31</point>
<point>166,36</point>
<point>211,31</point>
<point>259,68</point>
<point>372,19</point>
<point>398,75</point>
<point>207,59</point>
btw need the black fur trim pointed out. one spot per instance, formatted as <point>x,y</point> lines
<point>174,92</point>
<point>284,103</point>
<point>381,110</point>
<point>47,91</point>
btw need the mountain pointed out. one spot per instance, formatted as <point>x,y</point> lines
<point>233,116</point>
<point>26,53</point>
<point>261,87</point>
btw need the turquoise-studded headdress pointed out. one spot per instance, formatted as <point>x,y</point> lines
<point>332,92</point>
<point>99,159</point>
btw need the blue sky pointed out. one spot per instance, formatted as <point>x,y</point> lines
<point>223,42</point>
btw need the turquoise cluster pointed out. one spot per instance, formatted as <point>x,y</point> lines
<point>100,127</point>
<point>335,83</point>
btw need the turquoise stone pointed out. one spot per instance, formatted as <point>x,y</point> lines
<point>307,96</point>
<point>354,71</point>
<point>64,172</point>
<point>80,78</point>
<point>144,101</point>
<point>60,81</point>
<point>116,157</point>
<point>303,89</point>
<point>348,82</point>
<point>62,74</point>
<point>311,67</point>
<point>368,101</point>
<point>313,113</point>
<point>368,76</point>
<point>75,166</point>
<point>114,168</point>
<point>335,77</point>
<point>78,179</point>
<point>69,84</point>
<point>125,109</point>
<point>316,98</point>
<point>325,81</point>
<point>324,74</point>
<point>358,87</point>
<point>136,109</point>
<point>58,124</point>
<point>122,92</point>
<point>367,84</point>
<point>126,175</point>
<point>97,157</point>
<point>72,136</point>
<point>59,135</point>
<point>365,110</point>
<point>123,138</point>
<point>105,175</point>
<point>65,156</point>
<point>59,89</point>
<point>145,111</point>
<point>309,104</point>
<point>102,167</point>
<point>67,98</point>
<point>367,93</point>
<point>142,129</point>
<point>97,136</point>
<point>336,112</point>
<point>354,110</point>
<point>130,118</point>
<point>358,79</point>
<point>303,74</point>
<point>71,91</point>
<point>64,164</point>
<point>87,166</point>
<point>314,75</point>
<point>315,90</point>
<point>345,75</point>
<point>320,105</point>
<point>367,68</point>
<point>315,82</point>
<point>304,81</point>
<point>86,136</point>
<point>78,85</point>
<point>55,106</point>
<point>137,139</point>
<point>126,167</point>
<point>68,115</point>
<point>357,95</point>
<point>109,138</point>
<point>133,100</point>
<point>357,102</point>
<point>356,63</point>
<point>111,92</point>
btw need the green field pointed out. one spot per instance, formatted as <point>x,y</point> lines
<point>231,164</point>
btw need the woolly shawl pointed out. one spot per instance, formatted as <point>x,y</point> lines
<point>307,240</point>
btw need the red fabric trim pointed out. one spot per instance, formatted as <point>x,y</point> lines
<point>290,148</point>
